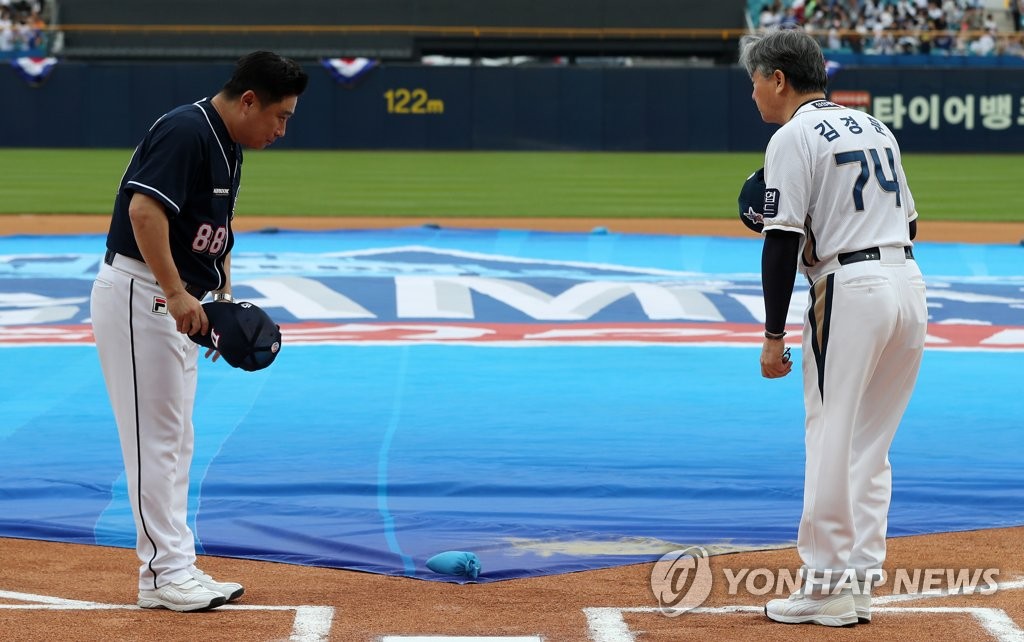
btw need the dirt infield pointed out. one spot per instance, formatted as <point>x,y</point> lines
<point>53,591</point>
<point>610,605</point>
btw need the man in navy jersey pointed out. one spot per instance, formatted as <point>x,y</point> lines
<point>169,246</point>
<point>837,205</point>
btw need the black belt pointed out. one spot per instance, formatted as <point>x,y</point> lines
<point>196,291</point>
<point>870,254</point>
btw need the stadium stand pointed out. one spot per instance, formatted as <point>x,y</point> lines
<point>23,28</point>
<point>617,32</point>
<point>900,27</point>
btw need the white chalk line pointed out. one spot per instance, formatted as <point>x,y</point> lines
<point>311,624</point>
<point>606,624</point>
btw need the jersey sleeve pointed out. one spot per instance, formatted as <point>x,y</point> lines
<point>170,158</point>
<point>788,181</point>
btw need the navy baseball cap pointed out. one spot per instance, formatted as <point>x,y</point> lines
<point>751,201</point>
<point>242,332</point>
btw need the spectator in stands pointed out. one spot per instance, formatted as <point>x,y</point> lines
<point>22,7</point>
<point>986,44</point>
<point>870,10</point>
<point>944,42</point>
<point>6,31</point>
<point>894,26</point>
<point>789,20</point>
<point>834,41</point>
<point>1014,46</point>
<point>886,18</point>
<point>811,8</point>
<point>37,34</point>
<point>972,19</point>
<point>951,10</point>
<point>22,29</point>
<point>22,35</point>
<point>856,41</point>
<point>883,42</point>
<point>771,15</point>
<point>798,7</point>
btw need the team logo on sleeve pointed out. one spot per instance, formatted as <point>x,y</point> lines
<point>159,305</point>
<point>771,203</point>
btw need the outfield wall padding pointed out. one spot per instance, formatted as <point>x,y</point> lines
<point>112,104</point>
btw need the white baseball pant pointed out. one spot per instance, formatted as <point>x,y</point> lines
<point>863,340</point>
<point>150,372</point>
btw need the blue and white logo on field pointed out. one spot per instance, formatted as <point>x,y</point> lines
<point>415,293</point>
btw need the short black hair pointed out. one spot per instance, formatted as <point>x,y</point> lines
<point>270,76</point>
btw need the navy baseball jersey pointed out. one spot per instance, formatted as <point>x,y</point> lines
<point>189,164</point>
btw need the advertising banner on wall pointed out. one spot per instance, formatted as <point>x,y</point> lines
<point>523,107</point>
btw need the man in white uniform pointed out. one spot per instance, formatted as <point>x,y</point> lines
<point>837,204</point>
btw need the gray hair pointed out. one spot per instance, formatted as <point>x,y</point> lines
<point>792,51</point>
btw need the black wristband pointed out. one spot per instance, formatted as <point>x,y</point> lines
<point>776,336</point>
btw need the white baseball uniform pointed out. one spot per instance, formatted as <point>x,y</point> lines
<point>834,175</point>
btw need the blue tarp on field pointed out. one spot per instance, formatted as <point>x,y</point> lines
<point>551,402</point>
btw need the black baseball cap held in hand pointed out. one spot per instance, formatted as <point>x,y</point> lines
<point>242,332</point>
<point>751,201</point>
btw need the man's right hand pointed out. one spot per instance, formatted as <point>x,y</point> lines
<point>188,313</point>
<point>775,361</point>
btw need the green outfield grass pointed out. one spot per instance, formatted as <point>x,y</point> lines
<point>515,184</point>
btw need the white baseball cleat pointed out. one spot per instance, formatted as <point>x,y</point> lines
<point>185,596</point>
<point>832,610</point>
<point>230,590</point>
<point>862,602</point>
